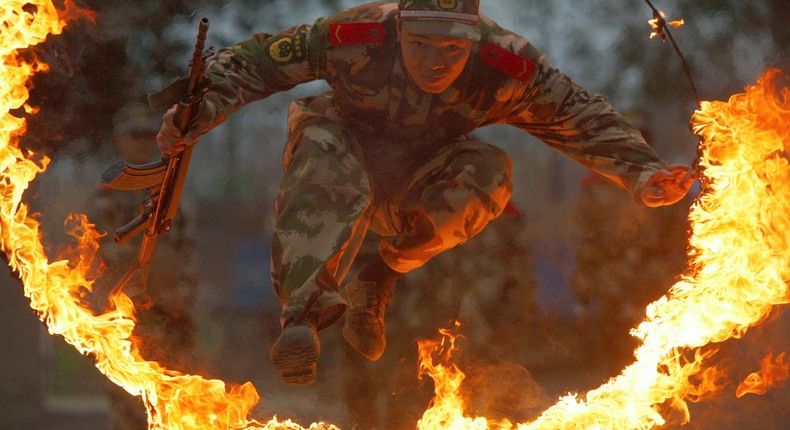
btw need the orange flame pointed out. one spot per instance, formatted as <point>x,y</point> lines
<point>55,289</point>
<point>446,410</point>
<point>447,380</point>
<point>771,374</point>
<point>739,264</point>
<point>738,269</point>
<point>657,24</point>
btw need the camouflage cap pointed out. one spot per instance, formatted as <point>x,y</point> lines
<point>458,18</point>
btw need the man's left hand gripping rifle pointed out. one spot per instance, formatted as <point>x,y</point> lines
<point>165,178</point>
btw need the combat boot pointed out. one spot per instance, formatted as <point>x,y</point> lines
<point>365,330</point>
<point>296,351</point>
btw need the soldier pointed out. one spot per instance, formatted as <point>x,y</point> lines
<point>164,328</point>
<point>388,149</point>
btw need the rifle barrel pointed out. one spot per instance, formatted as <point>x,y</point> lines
<point>197,68</point>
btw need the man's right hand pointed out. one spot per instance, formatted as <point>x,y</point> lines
<point>170,139</point>
<point>668,186</point>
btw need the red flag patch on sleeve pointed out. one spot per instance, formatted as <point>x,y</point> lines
<point>356,33</point>
<point>513,65</point>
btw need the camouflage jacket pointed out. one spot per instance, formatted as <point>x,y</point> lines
<point>516,86</point>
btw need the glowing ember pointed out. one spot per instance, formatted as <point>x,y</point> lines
<point>738,270</point>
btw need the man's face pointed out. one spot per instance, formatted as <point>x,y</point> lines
<point>432,61</point>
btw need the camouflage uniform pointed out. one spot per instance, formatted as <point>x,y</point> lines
<point>378,153</point>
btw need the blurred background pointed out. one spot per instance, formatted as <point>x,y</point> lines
<point>545,295</point>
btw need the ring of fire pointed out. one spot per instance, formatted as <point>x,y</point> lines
<point>738,269</point>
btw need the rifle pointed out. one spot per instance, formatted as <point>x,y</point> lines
<point>164,178</point>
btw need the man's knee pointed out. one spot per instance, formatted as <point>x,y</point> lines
<point>481,174</point>
<point>491,166</point>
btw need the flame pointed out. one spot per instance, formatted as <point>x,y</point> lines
<point>771,374</point>
<point>446,410</point>
<point>658,22</point>
<point>56,289</point>
<point>447,404</point>
<point>738,270</point>
<point>738,263</point>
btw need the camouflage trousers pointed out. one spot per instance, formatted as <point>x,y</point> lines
<point>339,183</point>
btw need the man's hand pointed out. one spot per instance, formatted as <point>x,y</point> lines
<point>170,139</point>
<point>667,186</point>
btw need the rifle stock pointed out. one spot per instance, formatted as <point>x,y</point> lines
<point>161,206</point>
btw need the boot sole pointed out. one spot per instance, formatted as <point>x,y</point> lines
<point>295,355</point>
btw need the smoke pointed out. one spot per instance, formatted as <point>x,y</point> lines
<point>77,96</point>
<point>502,391</point>
<point>99,64</point>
